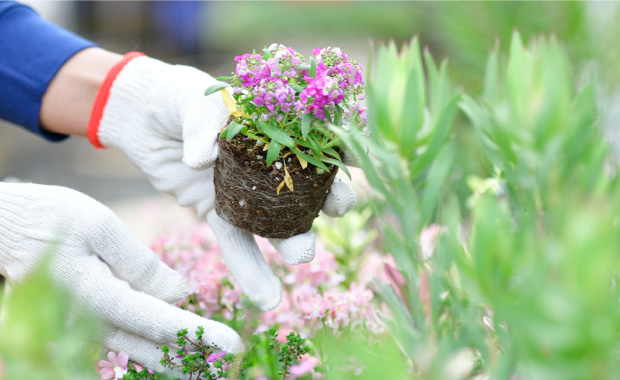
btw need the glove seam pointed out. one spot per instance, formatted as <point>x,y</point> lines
<point>103,95</point>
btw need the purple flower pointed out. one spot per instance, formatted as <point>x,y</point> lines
<point>213,357</point>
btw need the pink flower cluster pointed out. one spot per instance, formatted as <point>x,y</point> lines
<point>314,295</point>
<point>116,366</point>
<point>251,69</point>
<point>336,77</point>
<point>276,96</point>
<point>266,83</point>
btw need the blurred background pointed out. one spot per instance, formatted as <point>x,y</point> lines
<point>209,34</point>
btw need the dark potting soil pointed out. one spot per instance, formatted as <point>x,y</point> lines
<point>246,190</point>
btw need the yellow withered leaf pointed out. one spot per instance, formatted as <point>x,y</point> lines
<point>280,186</point>
<point>304,163</point>
<point>287,179</point>
<point>239,113</point>
<point>266,147</point>
<point>230,102</point>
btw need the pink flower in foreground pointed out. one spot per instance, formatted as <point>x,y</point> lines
<point>140,368</point>
<point>113,368</point>
<point>1,369</point>
<point>215,356</point>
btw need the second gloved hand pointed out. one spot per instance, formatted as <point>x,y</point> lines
<point>106,269</point>
<point>158,116</point>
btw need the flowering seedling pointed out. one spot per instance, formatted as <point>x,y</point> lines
<point>279,137</point>
<point>197,359</point>
<point>285,102</point>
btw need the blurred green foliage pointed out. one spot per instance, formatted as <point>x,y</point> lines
<point>523,279</point>
<point>42,335</point>
<point>463,31</point>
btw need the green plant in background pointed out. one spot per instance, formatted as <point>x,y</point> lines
<point>522,281</point>
<point>535,133</point>
<point>544,256</point>
<point>410,162</point>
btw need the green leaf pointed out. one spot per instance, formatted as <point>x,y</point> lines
<point>304,143</point>
<point>233,129</point>
<point>315,146</point>
<point>273,152</point>
<point>305,125</point>
<point>296,87</point>
<point>312,68</point>
<point>438,177</point>
<point>338,115</point>
<point>223,78</point>
<point>215,88</point>
<point>440,133</point>
<point>267,53</point>
<point>413,112</point>
<point>332,152</point>
<point>224,133</point>
<point>338,163</point>
<point>328,117</point>
<point>311,159</point>
<point>276,134</point>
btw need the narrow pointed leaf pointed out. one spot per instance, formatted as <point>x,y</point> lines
<point>233,129</point>
<point>310,159</point>
<point>215,88</point>
<point>338,115</point>
<point>276,134</point>
<point>337,163</point>
<point>273,152</point>
<point>305,125</point>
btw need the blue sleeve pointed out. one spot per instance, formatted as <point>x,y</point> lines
<point>32,51</point>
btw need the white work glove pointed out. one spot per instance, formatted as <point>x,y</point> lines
<point>107,270</point>
<point>158,116</point>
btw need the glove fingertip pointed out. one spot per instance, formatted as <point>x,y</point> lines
<point>340,200</point>
<point>201,159</point>
<point>298,249</point>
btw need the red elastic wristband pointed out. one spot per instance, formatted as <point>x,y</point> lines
<point>102,98</point>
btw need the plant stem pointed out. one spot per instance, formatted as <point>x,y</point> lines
<point>190,341</point>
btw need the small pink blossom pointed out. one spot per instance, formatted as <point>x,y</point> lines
<point>305,366</point>
<point>1,369</point>
<point>358,296</point>
<point>313,306</point>
<point>113,368</point>
<point>215,356</point>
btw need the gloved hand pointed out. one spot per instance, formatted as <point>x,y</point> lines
<point>158,116</point>
<point>107,270</point>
